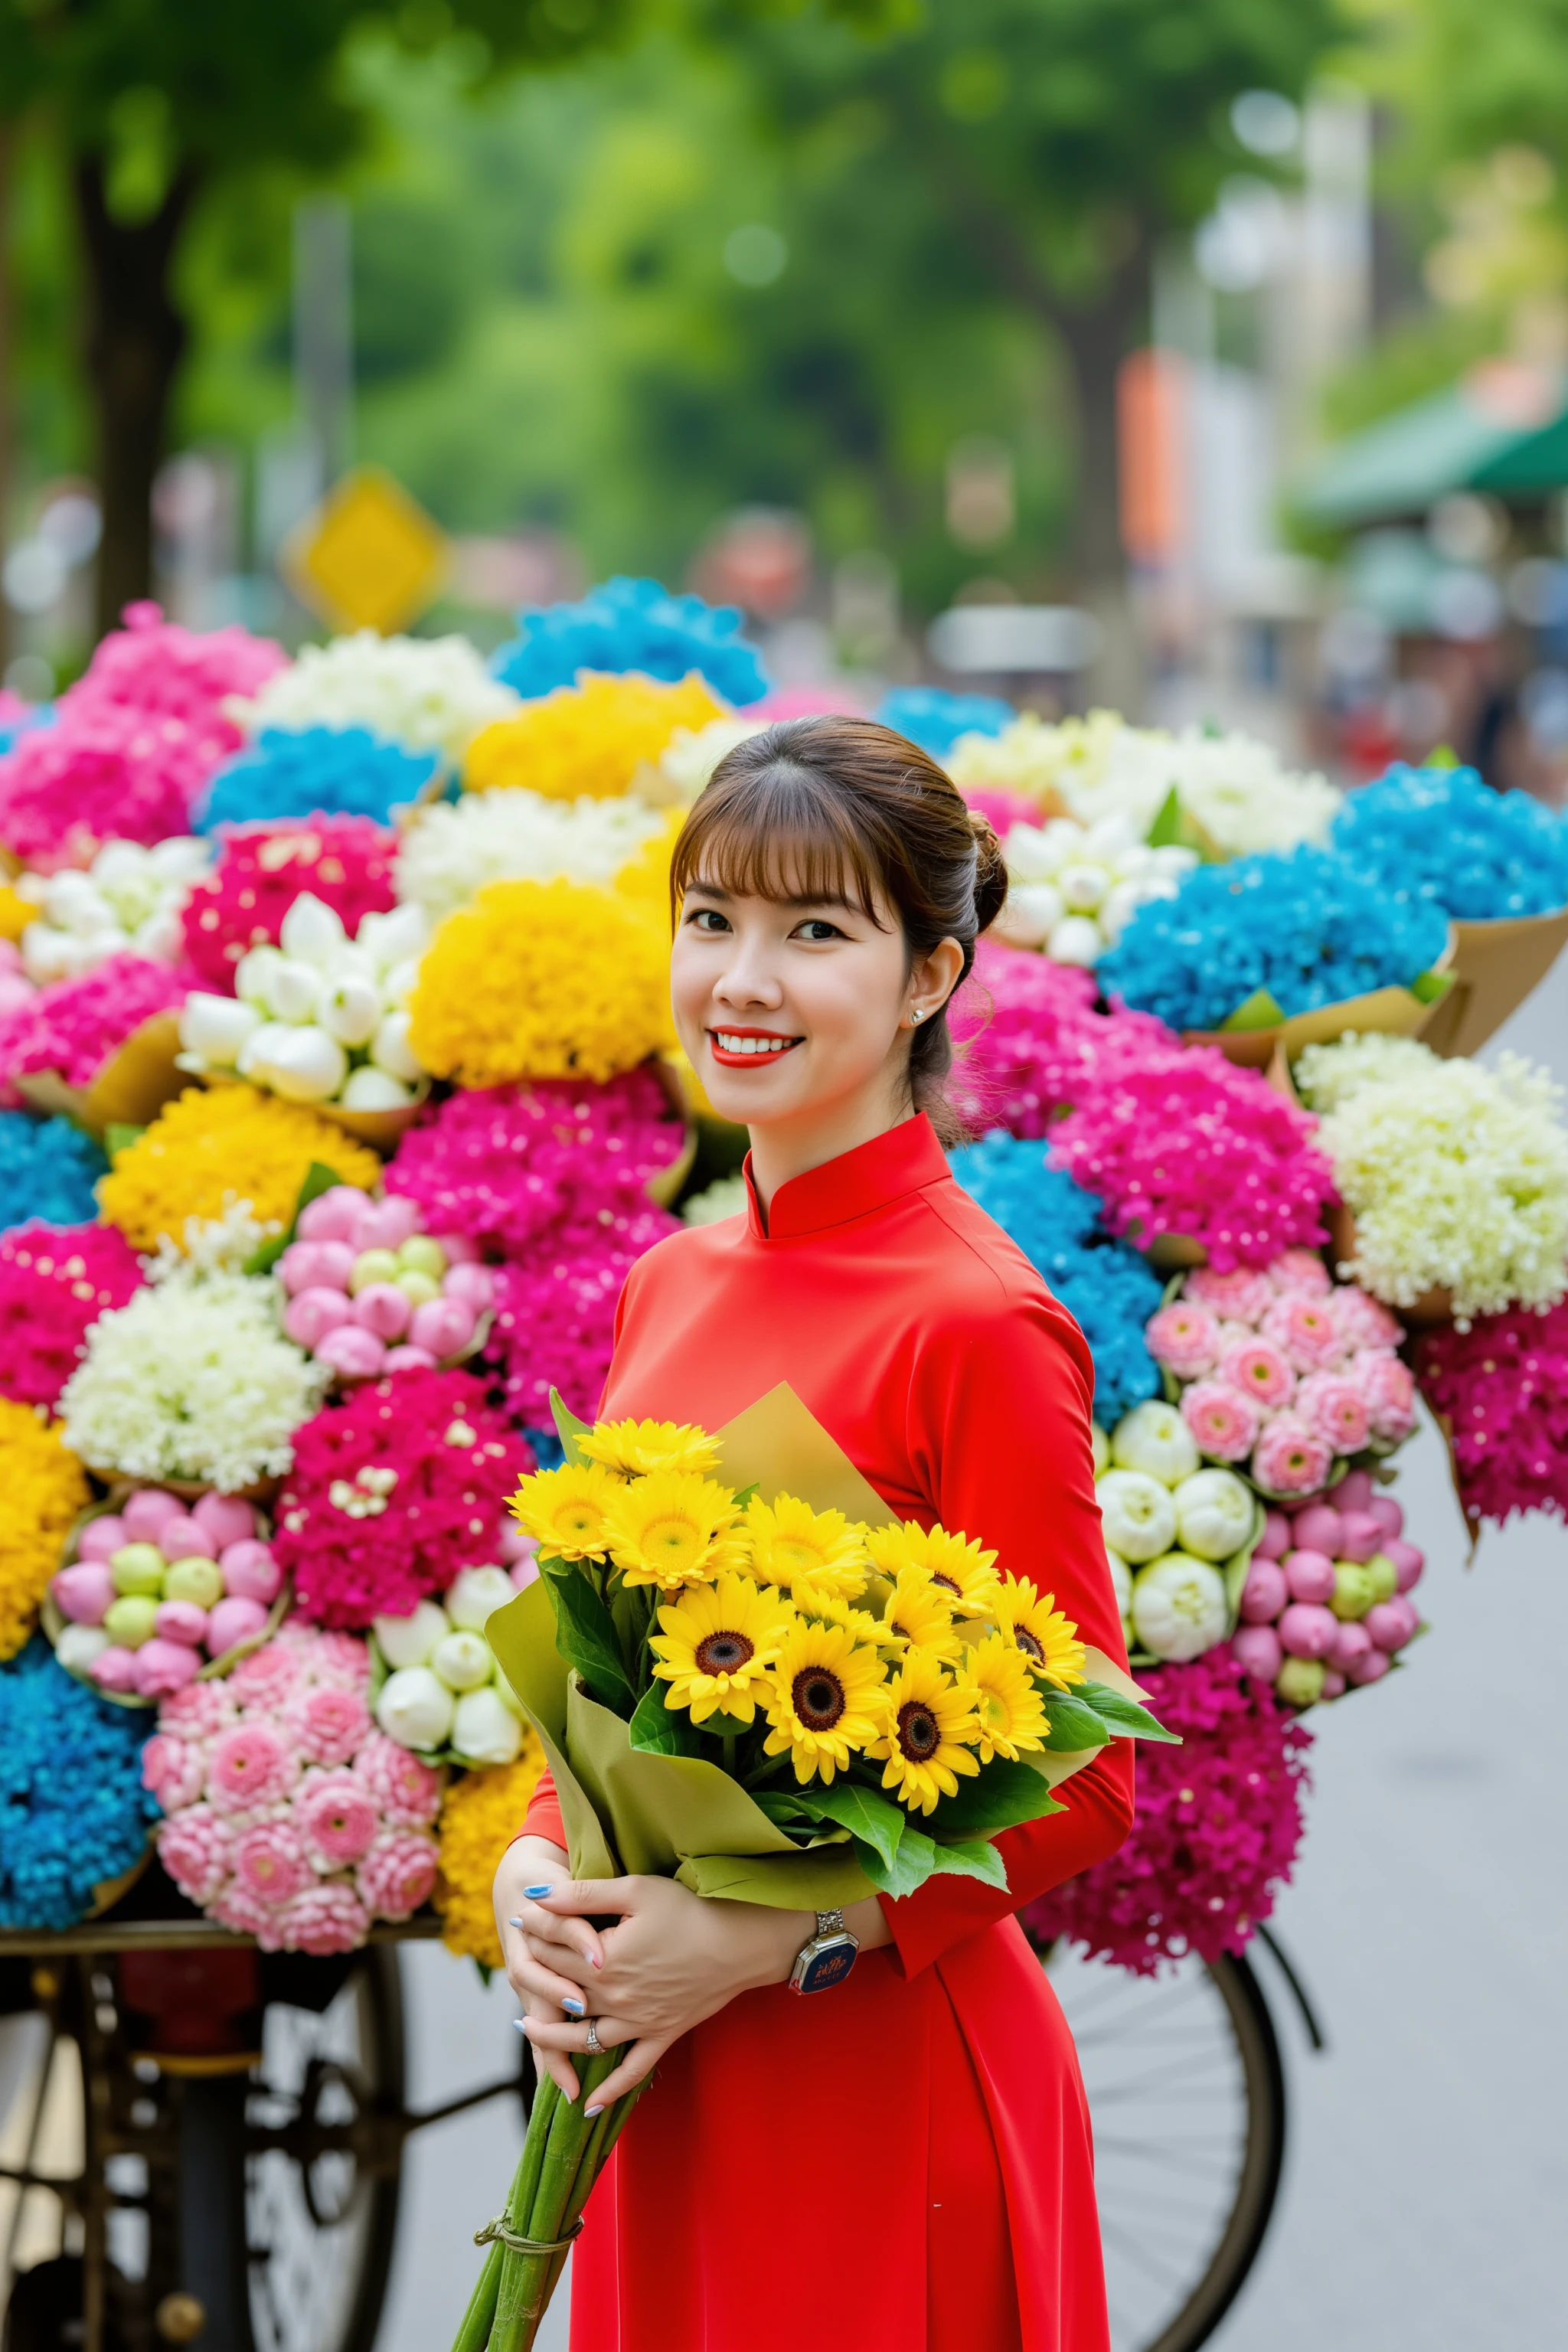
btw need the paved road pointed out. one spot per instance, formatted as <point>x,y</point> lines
<point>1426,2179</point>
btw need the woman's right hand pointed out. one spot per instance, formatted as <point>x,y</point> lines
<point>533,1863</point>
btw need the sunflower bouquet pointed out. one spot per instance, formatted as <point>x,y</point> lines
<point>773,1696</point>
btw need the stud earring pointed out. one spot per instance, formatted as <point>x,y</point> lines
<point>917,1014</point>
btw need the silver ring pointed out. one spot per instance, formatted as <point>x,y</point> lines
<point>595,2047</point>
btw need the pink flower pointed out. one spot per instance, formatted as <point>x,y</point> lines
<point>555,1315</point>
<point>397,1874</point>
<point>198,1712</point>
<point>345,861</point>
<point>1240,1295</point>
<point>1364,1322</point>
<point>1300,1270</point>
<point>54,1281</point>
<point>1290,1458</point>
<point>329,1724</point>
<point>408,1793</point>
<point>1184,1338</point>
<point>245,1914</point>
<point>328,1918</point>
<point>1388,1388</point>
<point>1304,1329</point>
<point>1223,1420</point>
<point>1502,1388</point>
<point>174,1769</point>
<point>1336,1408</point>
<point>337,1817</point>
<point>269,1863</point>
<point>267,1675</point>
<point>1258,1370</point>
<point>250,1765</point>
<point>195,1847</point>
<point>75,1026</point>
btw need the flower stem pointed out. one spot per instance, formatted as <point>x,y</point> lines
<point>527,2279</point>
<point>475,2332</point>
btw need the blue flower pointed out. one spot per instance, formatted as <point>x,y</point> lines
<point>1441,835</point>
<point>935,720</point>
<point>1107,1287</point>
<point>73,1811</point>
<point>631,625</point>
<point>332,770</point>
<point>48,1169</point>
<point>1303,926</point>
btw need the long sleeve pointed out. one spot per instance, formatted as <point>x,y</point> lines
<point>543,1818</point>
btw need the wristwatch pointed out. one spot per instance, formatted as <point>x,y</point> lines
<point>827,1959</point>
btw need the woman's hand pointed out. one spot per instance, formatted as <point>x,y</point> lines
<point>533,1862</point>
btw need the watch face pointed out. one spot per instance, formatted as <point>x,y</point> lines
<point>829,1964</point>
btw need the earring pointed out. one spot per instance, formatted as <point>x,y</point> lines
<point>917,1014</point>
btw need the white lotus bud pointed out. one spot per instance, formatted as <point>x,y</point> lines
<point>1076,939</point>
<point>311,930</point>
<point>1136,1513</point>
<point>253,976</point>
<point>75,903</point>
<point>349,1010</point>
<point>399,981</point>
<point>368,1088</point>
<point>408,1641</point>
<point>78,1645</point>
<point>292,990</point>
<point>1030,912</point>
<point>1154,1438</point>
<point>183,857</point>
<point>1214,1514</point>
<point>1083,884</point>
<point>390,938</point>
<point>302,1064</point>
<point>414,1708</point>
<point>1122,1578</point>
<point>1109,837</point>
<point>508,1696</point>
<point>1101,1444</point>
<point>477,1593</point>
<point>1179,1608</point>
<point>46,954</point>
<point>391,1051</point>
<point>1132,864</point>
<point>1122,902</point>
<point>1031,857</point>
<point>121,865</point>
<point>161,937</point>
<point>462,1660</point>
<point>216,1027</point>
<point>484,1728</point>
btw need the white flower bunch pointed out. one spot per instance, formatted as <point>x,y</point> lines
<point>1074,888</point>
<point>320,1018</point>
<point>725,1198</point>
<point>692,754</point>
<point>127,902</point>
<point>1457,1175</point>
<point>444,1688</point>
<point>452,848</point>
<point>1168,1524</point>
<point>430,694</point>
<point>192,1378</point>
<point>212,1245</point>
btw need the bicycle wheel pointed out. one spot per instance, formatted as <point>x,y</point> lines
<point>1187,2097</point>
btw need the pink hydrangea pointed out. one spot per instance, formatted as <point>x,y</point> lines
<point>329,1724</point>
<point>195,1847</point>
<point>1305,1331</point>
<point>1336,1408</point>
<point>1215,1834</point>
<point>1302,1270</point>
<point>55,1283</point>
<point>392,1493</point>
<point>1501,1389</point>
<point>338,1817</point>
<point>1184,1338</point>
<point>1290,1458</point>
<point>555,1321</point>
<point>328,1918</point>
<point>154,664</point>
<point>345,861</point>
<point>1223,1420</point>
<point>1242,1295</point>
<point>174,1769</point>
<point>270,1863</point>
<point>75,1026</point>
<point>396,1875</point>
<point>1388,1387</point>
<point>1259,1370</point>
<point>249,1765</point>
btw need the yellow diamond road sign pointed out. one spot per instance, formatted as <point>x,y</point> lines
<point>369,557</point>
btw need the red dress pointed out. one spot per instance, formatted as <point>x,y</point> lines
<point>902,2163</point>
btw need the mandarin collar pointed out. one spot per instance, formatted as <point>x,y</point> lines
<point>904,1159</point>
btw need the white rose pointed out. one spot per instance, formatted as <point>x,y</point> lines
<point>1154,1438</point>
<point>1101,1444</point>
<point>414,1708</point>
<point>484,1728</point>
<point>1179,1608</point>
<point>408,1641</point>
<point>1122,1578</point>
<point>475,1595</point>
<point>1214,1514</point>
<point>1136,1513</point>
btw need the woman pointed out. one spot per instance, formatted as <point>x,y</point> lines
<point>901,2163</point>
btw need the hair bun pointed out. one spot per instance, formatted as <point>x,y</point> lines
<point>990,871</point>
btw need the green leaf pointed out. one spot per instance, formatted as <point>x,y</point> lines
<point>911,1867</point>
<point>1165,832</point>
<point>744,1494</point>
<point>1123,1715</point>
<point>871,1819</point>
<point>781,1807</point>
<point>319,1179</point>
<point>568,1428</point>
<point>585,1637</point>
<point>1075,1725</point>
<point>118,1136</point>
<point>1260,1011</point>
<point>720,1726</point>
<point>1427,987</point>
<point>661,1731</point>
<point>1004,1795</point>
<point>978,1858</point>
<point>1441,755</point>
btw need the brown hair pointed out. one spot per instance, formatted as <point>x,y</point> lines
<point>842,807</point>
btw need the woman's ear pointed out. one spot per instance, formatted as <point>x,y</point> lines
<point>932,980</point>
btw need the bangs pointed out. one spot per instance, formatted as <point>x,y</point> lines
<point>778,831</point>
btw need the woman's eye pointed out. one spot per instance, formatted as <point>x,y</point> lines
<point>708,919</point>
<point>815,928</point>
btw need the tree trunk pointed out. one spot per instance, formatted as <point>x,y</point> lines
<point>135,339</point>
<point>7,367</point>
<point>1096,341</point>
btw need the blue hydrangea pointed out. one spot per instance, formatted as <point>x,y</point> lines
<point>41,714</point>
<point>1303,925</point>
<point>338,771</point>
<point>48,1169</point>
<point>935,720</point>
<point>626,624</point>
<point>1106,1286</point>
<point>73,1811</point>
<point>546,1447</point>
<point>1442,836</point>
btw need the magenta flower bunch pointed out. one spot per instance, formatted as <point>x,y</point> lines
<point>392,1493</point>
<point>75,1026</point>
<point>555,1312</point>
<point>1217,1830</point>
<point>1501,1386</point>
<point>346,862</point>
<point>55,1283</point>
<point>288,1816</point>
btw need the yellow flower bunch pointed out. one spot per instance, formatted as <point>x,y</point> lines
<point>541,980</point>
<point>214,1147</point>
<point>587,739</point>
<point>645,876</point>
<point>480,1815</point>
<point>43,1490</point>
<point>15,913</point>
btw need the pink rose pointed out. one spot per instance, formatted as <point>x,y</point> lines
<point>1223,1420</point>
<point>1336,1409</point>
<point>1305,1331</point>
<point>397,1874</point>
<point>1290,1458</point>
<point>266,1677</point>
<point>328,1723</point>
<point>337,1816</point>
<point>1388,1385</point>
<point>1301,1271</point>
<point>1184,1338</point>
<point>251,1764</point>
<point>269,1863</point>
<point>1242,1295</point>
<point>1364,1321</point>
<point>1259,1371</point>
<point>327,1917</point>
<point>407,1791</point>
<point>195,1849</point>
<point>174,1769</point>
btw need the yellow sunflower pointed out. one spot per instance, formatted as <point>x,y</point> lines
<point>565,1510</point>
<point>812,1601</point>
<point>929,1730</point>
<point>788,1540</point>
<point>718,1642</point>
<point>827,1699</point>
<point>918,1616</point>
<point>633,1448</point>
<point>671,1528</point>
<point>1011,1711</point>
<point>962,1570</point>
<point>1033,1623</point>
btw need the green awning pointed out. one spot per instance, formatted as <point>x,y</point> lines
<point>1503,429</point>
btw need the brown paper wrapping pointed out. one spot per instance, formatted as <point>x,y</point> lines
<point>128,1091</point>
<point>1386,1011</point>
<point>1496,966</point>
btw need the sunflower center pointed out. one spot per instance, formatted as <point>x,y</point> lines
<point>920,1734</point>
<point>818,1697</point>
<point>1030,1643</point>
<point>723,1653</point>
<point>677,1536</point>
<point>797,1555</point>
<point>903,1632</point>
<point>994,1709</point>
<point>948,1585</point>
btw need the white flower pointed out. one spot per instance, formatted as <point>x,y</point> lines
<point>1077,939</point>
<point>129,899</point>
<point>414,1708</point>
<point>726,1198</point>
<point>369,1089</point>
<point>392,939</point>
<point>453,848</point>
<point>217,1028</point>
<point>462,1659</point>
<point>432,693</point>
<point>1136,1513</point>
<point>312,933</point>
<point>484,1728</point>
<point>476,1594</point>
<point>1154,1438</point>
<point>692,754</point>
<point>301,1064</point>
<point>391,1051</point>
<point>349,1009</point>
<point>1214,1514</point>
<point>408,1641</point>
<point>1179,1608</point>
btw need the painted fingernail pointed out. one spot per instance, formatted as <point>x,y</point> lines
<point>593,2111</point>
<point>572,2008</point>
<point>596,1960</point>
<point>533,1895</point>
<point>519,2025</point>
<point>514,1923</point>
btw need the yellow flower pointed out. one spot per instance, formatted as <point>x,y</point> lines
<point>718,1642</point>
<point>16,913</point>
<point>631,1448</point>
<point>480,1815</point>
<point>1011,1712</point>
<point>43,1489</point>
<point>215,1146</point>
<point>960,1569</point>
<point>788,1540</point>
<point>930,1727</point>
<point>590,738</point>
<point>645,876</point>
<point>564,1509</point>
<point>673,1528</point>
<point>815,1600</point>
<point>918,1616</point>
<point>1034,1624</point>
<point>542,980</point>
<point>827,1699</point>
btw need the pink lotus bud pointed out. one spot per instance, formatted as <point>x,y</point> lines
<point>309,1317</point>
<point>458,1249</point>
<point>1264,1594</point>
<point>332,1216</point>
<point>1317,1529</point>
<point>387,1224</point>
<point>226,1518</point>
<point>234,1619</point>
<point>86,1593</point>
<point>1275,1540</point>
<point>473,1283</point>
<point>525,1572</point>
<point>1391,1624</point>
<point>184,1537</point>
<point>182,1621</point>
<point>249,1570</point>
<point>1370,1669</point>
<point>165,1667</point>
<point>442,1325</point>
<point>1355,1491</point>
<point>1255,1649</point>
<point>1352,1644</point>
<point>514,1544</point>
<point>1308,1630</point>
<point>1388,1514</point>
<point>1409,1560</point>
<point>382,1308</point>
<point>146,1512</point>
<point>1310,1574</point>
<point>309,1265</point>
<point>1360,1536</point>
<point>354,1353</point>
<point>1333,1683</point>
<point>101,1538</point>
<point>114,1669</point>
<point>409,1360</point>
